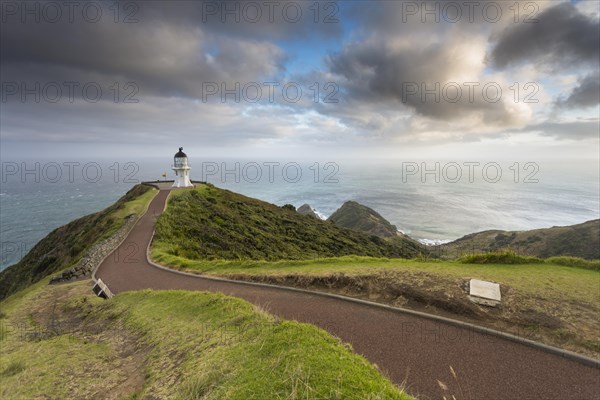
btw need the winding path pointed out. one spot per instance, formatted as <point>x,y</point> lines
<point>410,349</point>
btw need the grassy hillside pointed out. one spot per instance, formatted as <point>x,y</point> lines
<point>62,342</point>
<point>582,240</point>
<point>64,246</point>
<point>208,223</point>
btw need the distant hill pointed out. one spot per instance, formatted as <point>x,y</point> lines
<point>582,240</point>
<point>211,223</point>
<point>355,216</point>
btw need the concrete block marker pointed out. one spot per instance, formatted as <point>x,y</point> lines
<point>101,290</point>
<point>485,293</point>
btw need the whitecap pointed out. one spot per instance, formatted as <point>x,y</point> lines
<point>433,242</point>
<point>320,215</point>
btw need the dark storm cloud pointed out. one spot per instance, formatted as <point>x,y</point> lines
<point>586,94</point>
<point>162,57</point>
<point>270,20</point>
<point>172,49</point>
<point>561,36</point>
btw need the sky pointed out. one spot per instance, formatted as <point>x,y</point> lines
<point>349,79</point>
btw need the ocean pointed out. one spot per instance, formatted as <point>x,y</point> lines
<point>434,201</point>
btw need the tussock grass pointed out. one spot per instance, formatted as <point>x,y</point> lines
<point>13,368</point>
<point>574,262</point>
<point>506,256</point>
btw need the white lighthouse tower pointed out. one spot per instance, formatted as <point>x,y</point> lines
<point>182,170</point>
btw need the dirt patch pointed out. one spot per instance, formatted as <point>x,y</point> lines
<point>536,318</point>
<point>72,310</point>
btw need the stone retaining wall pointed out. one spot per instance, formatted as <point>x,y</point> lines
<point>95,255</point>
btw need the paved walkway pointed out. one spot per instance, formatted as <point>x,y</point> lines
<point>409,349</point>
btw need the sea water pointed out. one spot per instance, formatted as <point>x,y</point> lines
<point>423,200</point>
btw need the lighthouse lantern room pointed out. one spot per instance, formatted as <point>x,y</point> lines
<point>182,170</point>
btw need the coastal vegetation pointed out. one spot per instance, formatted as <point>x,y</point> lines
<point>61,341</point>
<point>508,256</point>
<point>207,223</point>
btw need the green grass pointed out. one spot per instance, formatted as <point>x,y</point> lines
<point>210,223</point>
<point>244,353</point>
<point>195,345</point>
<point>53,367</point>
<point>65,246</point>
<point>137,205</point>
<point>13,368</point>
<point>537,278</point>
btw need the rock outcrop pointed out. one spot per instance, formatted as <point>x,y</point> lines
<point>358,217</point>
<point>306,209</point>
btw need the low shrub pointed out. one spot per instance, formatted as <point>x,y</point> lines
<point>499,257</point>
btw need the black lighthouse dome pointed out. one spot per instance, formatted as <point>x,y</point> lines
<point>180,153</point>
